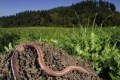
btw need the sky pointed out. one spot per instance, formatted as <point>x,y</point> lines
<point>10,7</point>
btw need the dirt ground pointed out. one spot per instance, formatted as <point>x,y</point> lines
<point>55,58</point>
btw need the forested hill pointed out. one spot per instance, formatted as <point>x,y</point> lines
<point>85,13</point>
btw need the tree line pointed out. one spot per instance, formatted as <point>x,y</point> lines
<point>90,12</point>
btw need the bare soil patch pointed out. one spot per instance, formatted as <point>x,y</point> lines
<point>55,58</point>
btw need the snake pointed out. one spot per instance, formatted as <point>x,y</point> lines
<point>20,48</point>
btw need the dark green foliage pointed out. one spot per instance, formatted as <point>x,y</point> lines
<point>79,13</point>
<point>6,38</point>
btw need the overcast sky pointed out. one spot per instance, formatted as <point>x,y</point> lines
<point>10,7</point>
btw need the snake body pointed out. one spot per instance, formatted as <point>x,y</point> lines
<point>45,68</point>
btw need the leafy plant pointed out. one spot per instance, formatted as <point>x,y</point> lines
<point>9,47</point>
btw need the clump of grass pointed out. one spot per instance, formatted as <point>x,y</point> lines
<point>6,38</point>
<point>96,46</point>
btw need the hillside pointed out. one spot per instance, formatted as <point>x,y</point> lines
<point>104,13</point>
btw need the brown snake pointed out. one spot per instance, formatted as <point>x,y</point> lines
<point>48,70</point>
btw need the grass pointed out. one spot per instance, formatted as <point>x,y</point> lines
<point>98,45</point>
